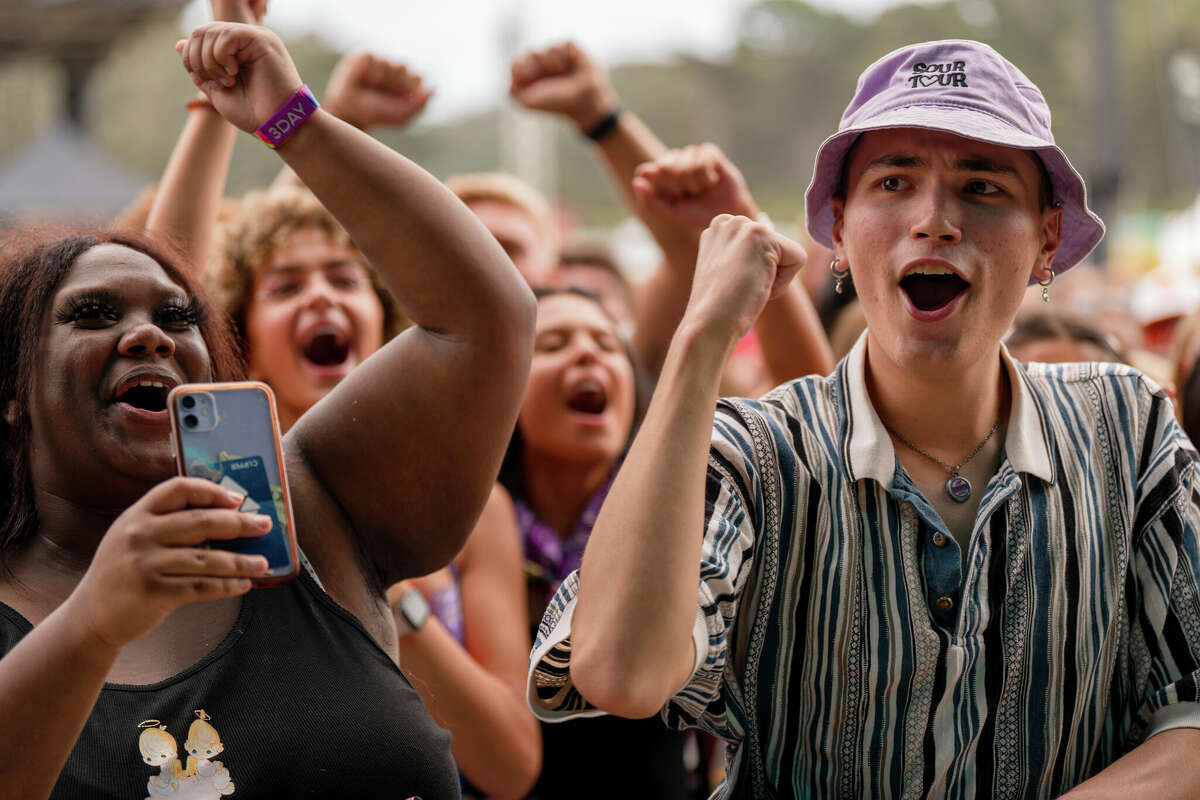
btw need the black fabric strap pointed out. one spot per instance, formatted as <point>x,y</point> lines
<point>605,126</point>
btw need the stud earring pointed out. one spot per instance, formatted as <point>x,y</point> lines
<point>1045,284</point>
<point>839,275</point>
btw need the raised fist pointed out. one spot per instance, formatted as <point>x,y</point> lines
<point>563,80</point>
<point>690,186</point>
<point>244,69</point>
<point>368,91</point>
<point>742,264</point>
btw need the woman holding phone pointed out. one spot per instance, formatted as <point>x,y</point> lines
<point>115,620</point>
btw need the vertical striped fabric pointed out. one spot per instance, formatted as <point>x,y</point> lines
<point>823,658</point>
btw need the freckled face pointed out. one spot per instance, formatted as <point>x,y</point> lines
<point>119,334</point>
<point>941,234</point>
<point>579,401</point>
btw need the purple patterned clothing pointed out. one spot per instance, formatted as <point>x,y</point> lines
<point>550,558</point>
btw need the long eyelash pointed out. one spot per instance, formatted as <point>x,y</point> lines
<point>189,312</point>
<point>87,303</point>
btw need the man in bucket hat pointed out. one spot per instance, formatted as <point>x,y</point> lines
<point>937,572</point>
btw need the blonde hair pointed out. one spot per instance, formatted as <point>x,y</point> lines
<point>154,741</point>
<point>504,188</point>
<point>264,221</point>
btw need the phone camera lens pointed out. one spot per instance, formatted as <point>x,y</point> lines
<point>191,420</point>
<point>188,401</point>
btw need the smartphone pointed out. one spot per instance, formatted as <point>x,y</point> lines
<point>228,433</point>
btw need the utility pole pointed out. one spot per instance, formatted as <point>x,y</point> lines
<point>526,139</point>
<point>1105,177</point>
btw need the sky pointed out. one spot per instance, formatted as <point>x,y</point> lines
<point>462,47</point>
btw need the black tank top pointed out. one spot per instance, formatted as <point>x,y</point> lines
<point>297,701</point>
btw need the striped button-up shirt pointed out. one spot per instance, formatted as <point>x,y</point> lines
<point>822,656</point>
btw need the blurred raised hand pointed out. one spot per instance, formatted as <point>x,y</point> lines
<point>563,80</point>
<point>690,186</point>
<point>367,91</point>
<point>249,12</point>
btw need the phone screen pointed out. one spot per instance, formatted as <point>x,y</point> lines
<point>228,433</point>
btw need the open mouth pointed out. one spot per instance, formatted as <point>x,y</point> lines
<point>147,394</point>
<point>930,291</point>
<point>327,347</point>
<point>588,397</point>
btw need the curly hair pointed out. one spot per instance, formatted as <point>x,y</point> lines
<point>265,220</point>
<point>35,263</point>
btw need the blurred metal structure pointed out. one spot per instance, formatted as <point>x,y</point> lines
<point>63,173</point>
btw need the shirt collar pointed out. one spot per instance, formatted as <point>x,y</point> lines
<point>1028,443</point>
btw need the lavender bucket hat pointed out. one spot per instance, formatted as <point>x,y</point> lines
<point>968,89</point>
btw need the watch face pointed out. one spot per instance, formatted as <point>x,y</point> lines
<point>414,608</point>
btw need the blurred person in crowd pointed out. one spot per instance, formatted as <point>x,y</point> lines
<point>590,264</point>
<point>577,418</point>
<point>884,582</point>
<point>104,564</point>
<point>308,309</point>
<point>848,326</point>
<point>675,193</point>
<point>1057,337</point>
<point>518,216</point>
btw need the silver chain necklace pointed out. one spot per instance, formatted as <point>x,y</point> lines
<point>958,487</point>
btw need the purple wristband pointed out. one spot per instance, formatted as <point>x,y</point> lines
<point>290,116</point>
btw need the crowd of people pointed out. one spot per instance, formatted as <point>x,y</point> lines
<point>922,524</point>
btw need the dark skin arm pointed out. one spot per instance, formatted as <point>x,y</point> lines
<point>391,469</point>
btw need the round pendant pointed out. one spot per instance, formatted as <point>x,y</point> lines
<point>959,488</point>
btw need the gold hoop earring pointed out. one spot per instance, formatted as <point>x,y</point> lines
<point>839,275</point>
<point>1045,284</point>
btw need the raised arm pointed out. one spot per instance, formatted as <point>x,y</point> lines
<point>683,190</point>
<point>368,91</point>
<point>564,81</point>
<point>476,690</point>
<point>631,631</point>
<point>407,447</point>
<point>189,196</point>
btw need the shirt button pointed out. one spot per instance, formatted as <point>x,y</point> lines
<point>939,539</point>
<point>945,603</point>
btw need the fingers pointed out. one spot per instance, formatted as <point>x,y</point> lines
<point>790,259</point>
<point>551,62</point>
<point>224,67</point>
<point>205,563</point>
<point>198,525</point>
<point>687,172</point>
<point>216,51</point>
<point>177,494</point>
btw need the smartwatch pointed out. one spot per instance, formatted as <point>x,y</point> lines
<point>411,611</point>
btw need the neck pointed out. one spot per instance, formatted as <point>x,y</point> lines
<point>948,414</point>
<point>558,490</point>
<point>51,563</point>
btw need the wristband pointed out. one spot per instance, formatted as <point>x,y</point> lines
<point>290,116</point>
<point>605,126</point>
<point>199,102</point>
